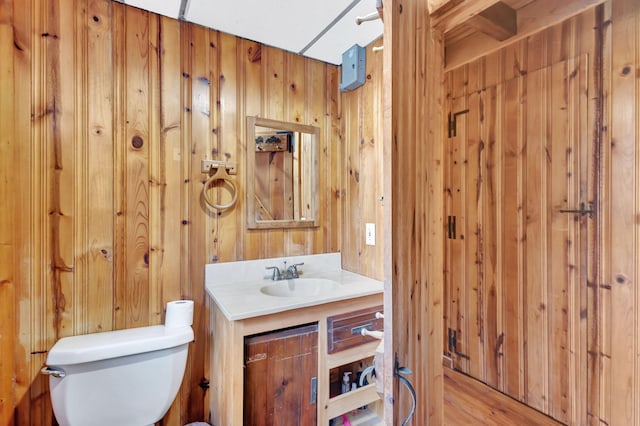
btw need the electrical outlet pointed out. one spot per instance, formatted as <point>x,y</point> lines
<point>370,234</point>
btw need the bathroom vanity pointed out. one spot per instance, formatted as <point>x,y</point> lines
<point>281,354</point>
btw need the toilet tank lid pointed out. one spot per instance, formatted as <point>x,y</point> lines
<point>113,344</point>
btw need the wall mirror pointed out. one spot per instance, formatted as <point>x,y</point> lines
<point>282,174</point>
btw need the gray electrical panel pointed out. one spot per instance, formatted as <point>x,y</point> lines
<point>353,68</point>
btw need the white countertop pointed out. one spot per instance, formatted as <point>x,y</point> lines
<point>235,286</point>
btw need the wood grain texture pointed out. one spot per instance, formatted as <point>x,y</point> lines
<point>414,162</point>
<point>362,146</point>
<point>469,402</point>
<point>621,309</point>
<point>8,318</point>
<point>512,283</point>
<point>597,358</point>
<point>113,110</point>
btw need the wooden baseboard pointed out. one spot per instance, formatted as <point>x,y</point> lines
<point>470,402</point>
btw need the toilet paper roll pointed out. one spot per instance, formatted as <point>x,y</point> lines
<point>179,314</point>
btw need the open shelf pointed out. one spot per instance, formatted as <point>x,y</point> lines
<point>364,417</point>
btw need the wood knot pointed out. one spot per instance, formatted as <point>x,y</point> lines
<point>621,279</point>
<point>137,142</point>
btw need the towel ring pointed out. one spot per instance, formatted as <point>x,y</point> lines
<point>220,174</point>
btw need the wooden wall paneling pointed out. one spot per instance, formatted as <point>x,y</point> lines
<point>188,181</point>
<point>255,241</point>
<point>410,275</point>
<point>564,262</point>
<point>295,112</point>
<point>623,312</point>
<point>315,112</point>
<point>473,233</point>
<point>229,146</point>
<point>8,216</point>
<point>155,169</point>
<point>390,97</point>
<point>556,111</point>
<point>447,294</point>
<point>536,265</point>
<point>118,34</point>
<point>334,201</point>
<point>202,223</point>
<point>377,105</point>
<point>405,261</point>
<point>557,300</point>
<point>512,224</point>
<point>136,167</point>
<point>578,300</point>
<point>21,19</point>
<point>490,242</point>
<point>433,209</point>
<point>118,244</point>
<point>351,177</point>
<point>361,124</point>
<point>368,174</point>
<point>273,108</point>
<point>166,250</point>
<point>45,322</point>
<point>63,209</point>
<point>599,258</point>
<point>604,296</point>
<point>95,159</point>
<point>166,242</point>
<point>457,265</point>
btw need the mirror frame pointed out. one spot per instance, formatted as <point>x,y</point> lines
<point>252,223</point>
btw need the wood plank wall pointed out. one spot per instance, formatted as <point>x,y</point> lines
<point>362,170</point>
<point>617,384</point>
<point>610,37</point>
<point>113,109</point>
<point>8,198</point>
<point>524,150</point>
<point>413,166</point>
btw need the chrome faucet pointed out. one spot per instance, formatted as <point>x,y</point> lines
<point>287,273</point>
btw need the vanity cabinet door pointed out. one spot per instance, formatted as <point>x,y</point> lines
<point>280,377</point>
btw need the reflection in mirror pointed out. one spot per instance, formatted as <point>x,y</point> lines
<point>282,174</point>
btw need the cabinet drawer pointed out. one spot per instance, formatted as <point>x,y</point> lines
<point>343,331</point>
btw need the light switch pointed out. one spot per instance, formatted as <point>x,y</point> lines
<point>370,234</point>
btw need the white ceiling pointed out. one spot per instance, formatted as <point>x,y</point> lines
<point>319,29</point>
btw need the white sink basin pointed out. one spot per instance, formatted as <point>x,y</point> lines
<point>300,287</point>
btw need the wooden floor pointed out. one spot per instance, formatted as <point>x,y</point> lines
<point>469,402</point>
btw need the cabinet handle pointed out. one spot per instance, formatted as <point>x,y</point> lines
<point>314,390</point>
<point>358,330</point>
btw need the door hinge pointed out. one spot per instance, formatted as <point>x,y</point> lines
<point>582,210</point>
<point>451,227</point>
<point>453,344</point>
<point>453,119</point>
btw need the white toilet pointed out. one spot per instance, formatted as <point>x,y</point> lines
<point>126,377</point>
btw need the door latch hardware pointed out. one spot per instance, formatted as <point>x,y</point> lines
<point>582,210</point>
<point>453,119</point>
<point>453,344</point>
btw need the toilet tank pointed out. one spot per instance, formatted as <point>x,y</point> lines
<point>125,377</point>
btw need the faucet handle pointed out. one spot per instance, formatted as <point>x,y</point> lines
<point>276,272</point>
<point>293,269</point>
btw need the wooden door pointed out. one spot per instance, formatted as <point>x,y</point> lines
<point>515,259</point>
<point>281,368</point>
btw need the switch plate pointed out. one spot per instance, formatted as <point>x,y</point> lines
<point>370,234</point>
